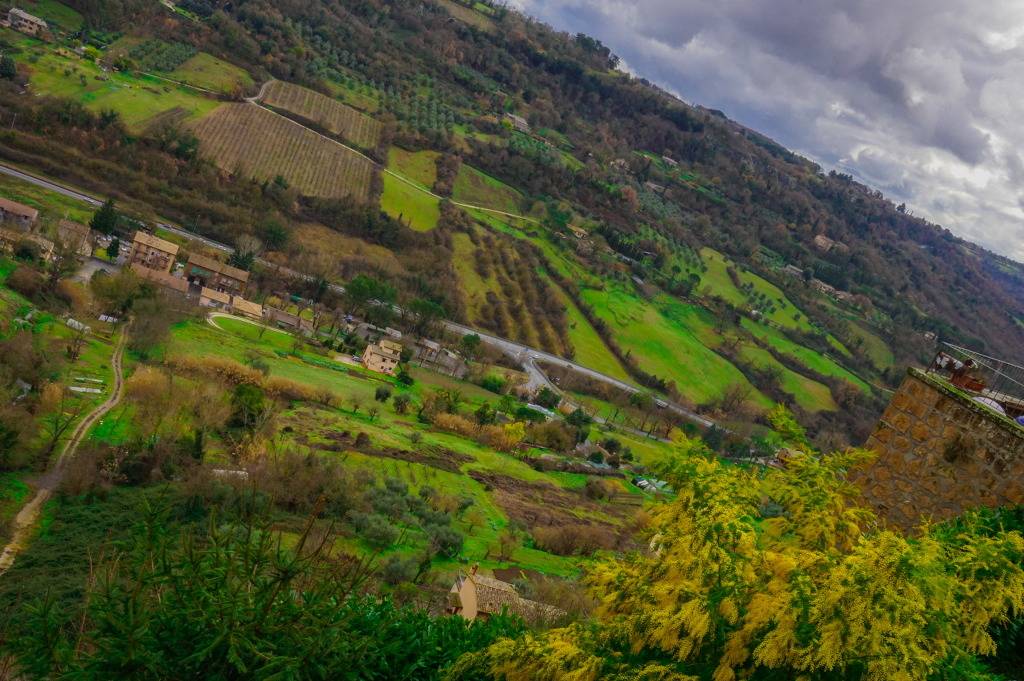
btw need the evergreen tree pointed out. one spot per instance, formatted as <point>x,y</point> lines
<point>105,220</point>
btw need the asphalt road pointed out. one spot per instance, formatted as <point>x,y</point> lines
<point>525,354</point>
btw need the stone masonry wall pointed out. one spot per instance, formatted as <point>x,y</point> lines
<point>940,453</point>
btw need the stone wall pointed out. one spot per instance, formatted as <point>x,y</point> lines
<point>940,453</point>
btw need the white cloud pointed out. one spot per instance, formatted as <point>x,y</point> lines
<point>920,98</point>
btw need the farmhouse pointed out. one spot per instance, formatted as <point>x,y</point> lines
<point>793,271</point>
<point>826,245</point>
<point>518,122</point>
<point>578,232</point>
<point>152,252</point>
<point>77,235</point>
<point>382,357</point>
<point>17,214</point>
<point>474,596</point>
<point>20,20</point>
<point>206,272</point>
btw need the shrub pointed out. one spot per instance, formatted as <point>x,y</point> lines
<point>397,570</point>
<point>26,281</point>
<point>382,394</point>
<point>455,423</point>
<point>573,540</point>
<point>496,384</point>
<point>401,403</point>
<point>551,435</point>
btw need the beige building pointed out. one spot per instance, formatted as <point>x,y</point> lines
<point>383,357</point>
<point>210,298</point>
<point>246,308</point>
<point>474,596</point>
<point>204,271</point>
<point>20,20</point>
<point>152,252</point>
<point>17,214</point>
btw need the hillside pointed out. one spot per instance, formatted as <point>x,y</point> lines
<point>663,236</point>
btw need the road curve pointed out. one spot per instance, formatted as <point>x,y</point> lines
<point>25,521</point>
<point>509,347</point>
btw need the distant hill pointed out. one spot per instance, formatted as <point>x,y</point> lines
<point>528,187</point>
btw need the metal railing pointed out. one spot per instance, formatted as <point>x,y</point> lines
<point>987,376</point>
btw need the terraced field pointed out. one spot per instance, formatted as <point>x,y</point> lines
<point>477,188</point>
<point>328,113</point>
<point>250,139</point>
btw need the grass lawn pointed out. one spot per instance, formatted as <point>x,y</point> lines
<point>57,15</point>
<point>50,204</point>
<point>206,71</point>
<point>418,166</point>
<point>808,393</point>
<point>418,209</point>
<point>14,493</point>
<point>809,358</point>
<point>591,351</point>
<point>668,345</point>
<point>874,347</point>
<point>475,187</point>
<point>138,99</point>
<point>272,338</point>
<point>717,278</point>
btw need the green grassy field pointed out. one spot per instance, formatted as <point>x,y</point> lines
<point>480,189</point>
<point>405,203</point>
<point>876,349</point>
<point>206,71</point>
<point>806,392</point>
<point>272,338</point>
<point>591,351</point>
<point>669,346</point>
<point>809,358</point>
<point>387,429</point>
<point>60,17</point>
<point>418,166</point>
<point>137,99</point>
<point>717,278</point>
<point>14,493</point>
<point>50,205</point>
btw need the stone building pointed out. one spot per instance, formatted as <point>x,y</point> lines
<point>383,357</point>
<point>941,451</point>
<point>17,214</point>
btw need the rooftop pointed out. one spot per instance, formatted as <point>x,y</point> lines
<point>16,208</point>
<point>217,266</point>
<point>22,14</point>
<point>156,242</point>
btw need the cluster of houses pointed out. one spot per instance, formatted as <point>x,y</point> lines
<point>215,284</point>
<point>220,286</point>
<point>20,224</point>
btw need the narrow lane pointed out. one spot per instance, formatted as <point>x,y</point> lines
<point>25,521</point>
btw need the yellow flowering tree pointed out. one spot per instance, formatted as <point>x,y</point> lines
<point>777,574</point>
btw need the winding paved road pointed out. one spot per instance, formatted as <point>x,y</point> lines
<point>24,522</point>
<point>527,355</point>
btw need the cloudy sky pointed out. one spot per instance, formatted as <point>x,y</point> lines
<point>923,99</point>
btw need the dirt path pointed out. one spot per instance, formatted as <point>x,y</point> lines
<point>24,522</point>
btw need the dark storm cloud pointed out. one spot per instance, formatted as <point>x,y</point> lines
<point>922,99</point>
